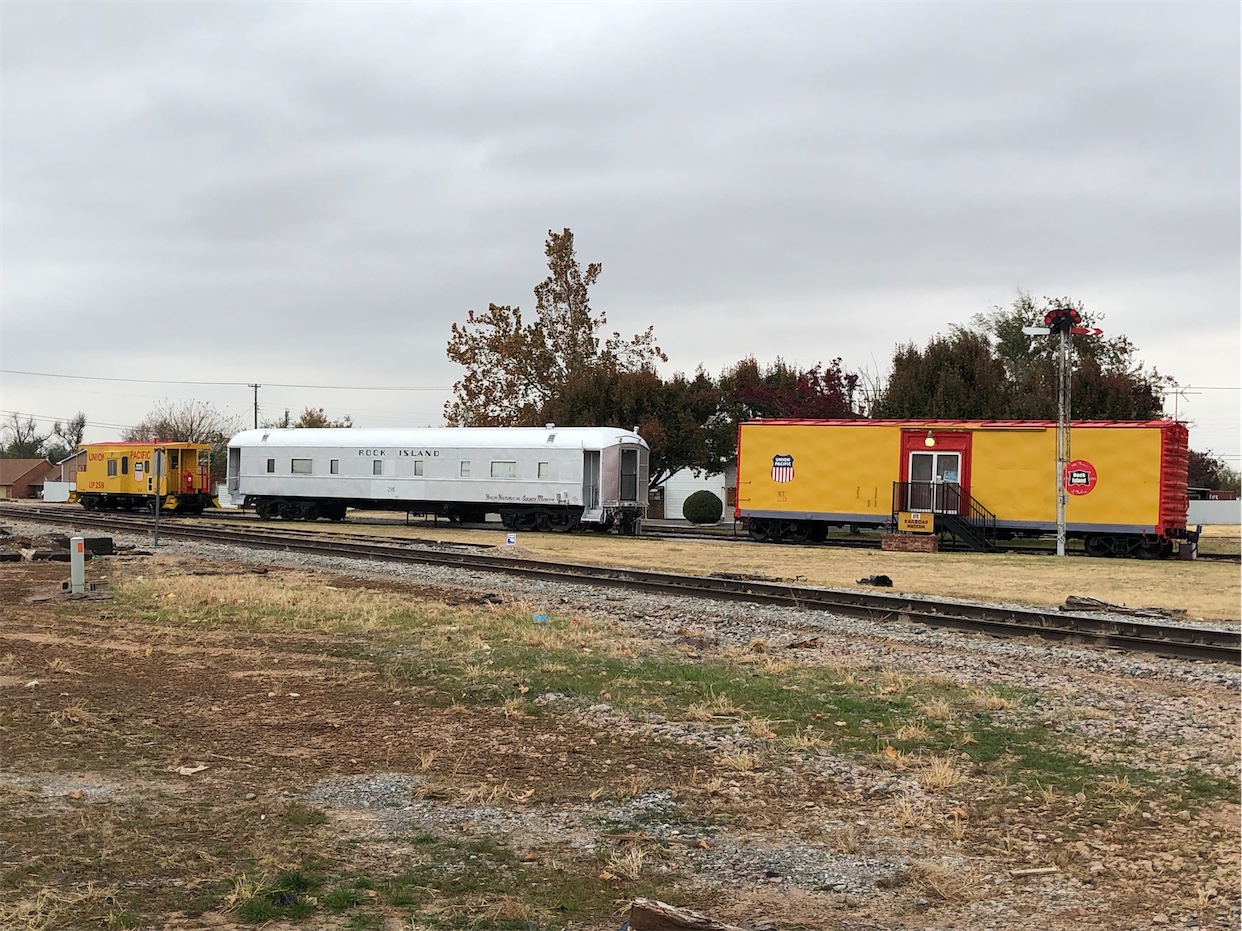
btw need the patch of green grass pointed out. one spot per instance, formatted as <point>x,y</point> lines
<point>303,816</point>
<point>288,898</point>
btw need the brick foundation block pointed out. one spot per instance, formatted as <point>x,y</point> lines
<point>910,542</point>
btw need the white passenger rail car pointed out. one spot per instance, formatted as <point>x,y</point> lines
<point>534,478</point>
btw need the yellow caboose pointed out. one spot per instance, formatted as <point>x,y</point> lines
<point>121,476</point>
<point>975,479</point>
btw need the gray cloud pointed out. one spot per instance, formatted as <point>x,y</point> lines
<point>315,192</point>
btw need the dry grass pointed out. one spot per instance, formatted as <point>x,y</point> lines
<point>717,706</point>
<point>628,865</point>
<point>947,883</point>
<point>741,760</point>
<point>936,709</point>
<point>939,774</point>
<point>1207,590</point>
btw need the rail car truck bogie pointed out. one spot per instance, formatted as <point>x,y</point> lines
<point>977,481</point>
<point>121,477</point>
<point>533,478</point>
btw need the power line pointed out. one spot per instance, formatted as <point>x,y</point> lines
<point>230,384</point>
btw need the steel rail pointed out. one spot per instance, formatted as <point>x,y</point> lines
<point>1195,643</point>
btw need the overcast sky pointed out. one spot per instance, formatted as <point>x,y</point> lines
<point>311,194</point>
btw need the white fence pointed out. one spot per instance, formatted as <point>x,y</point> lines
<point>1214,512</point>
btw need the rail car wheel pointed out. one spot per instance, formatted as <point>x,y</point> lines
<point>819,532</point>
<point>265,510</point>
<point>758,530</point>
<point>1153,549</point>
<point>1096,545</point>
<point>796,532</point>
<point>563,522</point>
<point>543,520</point>
<point>89,504</point>
<point>310,511</point>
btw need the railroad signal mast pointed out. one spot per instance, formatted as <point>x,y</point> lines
<point>1062,321</point>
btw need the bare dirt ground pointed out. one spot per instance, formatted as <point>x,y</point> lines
<point>165,770</point>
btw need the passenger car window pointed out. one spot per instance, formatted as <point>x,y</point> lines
<point>465,468</point>
<point>300,466</point>
<point>377,466</point>
<point>334,466</point>
<point>418,466</point>
<point>271,465</point>
<point>544,470</point>
<point>504,470</point>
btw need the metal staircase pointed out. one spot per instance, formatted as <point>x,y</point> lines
<point>957,514</point>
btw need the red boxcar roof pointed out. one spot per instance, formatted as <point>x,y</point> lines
<point>963,423</point>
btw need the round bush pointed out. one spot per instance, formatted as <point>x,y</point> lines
<point>702,507</point>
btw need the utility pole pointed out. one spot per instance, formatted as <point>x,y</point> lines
<point>1063,430</point>
<point>1062,320</point>
<point>256,404</point>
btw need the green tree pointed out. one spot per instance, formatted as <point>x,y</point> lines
<point>955,377</point>
<point>670,414</point>
<point>515,369</point>
<point>1207,471</point>
<point>311,418</point>
<point>991,370</point>
<point>188,422</point>
<point>24,441</point>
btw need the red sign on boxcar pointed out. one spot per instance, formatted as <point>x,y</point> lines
<point>1080,477</point>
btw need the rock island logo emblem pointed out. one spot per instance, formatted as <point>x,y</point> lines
<point>782,469</point>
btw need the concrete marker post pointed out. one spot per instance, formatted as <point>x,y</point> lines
<point>77,565</point>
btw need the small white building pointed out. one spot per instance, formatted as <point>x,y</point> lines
<point>681,485</point>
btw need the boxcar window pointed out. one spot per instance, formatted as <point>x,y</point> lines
<point>465,468</point>
<point>271,465</point>
<point>111,468</point>
<point>334,466</point>
<point>125,465</point>
<point>300,466</point>
<point>418,466</point>
<point>504,470</point>
<point>543,470</point>
<point>377,466</point>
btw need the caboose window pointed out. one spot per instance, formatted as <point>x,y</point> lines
<point>111,468</point>
<point>334,466</point>
<point>174,459</point>
<point>418,466</point>
<point>125,465</point>
<point>504,470</point>
<point>271,465</point>
<point>465,468</point>
<point>377,466</point>
<point>300,466</point>
<point>544,470</point>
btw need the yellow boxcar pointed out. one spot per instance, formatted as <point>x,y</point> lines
<point>121,476</point>
<point>1126,481</point>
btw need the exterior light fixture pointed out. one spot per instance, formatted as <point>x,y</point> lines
<point>930,441</point>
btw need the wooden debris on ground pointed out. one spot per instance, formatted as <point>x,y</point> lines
<point>1036,871</point>
<point>1084,603</point>
<point>650,915</point>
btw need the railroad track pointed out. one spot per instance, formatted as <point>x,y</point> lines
<point>1195,643</point>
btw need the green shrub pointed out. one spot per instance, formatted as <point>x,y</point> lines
<point>702,507</point>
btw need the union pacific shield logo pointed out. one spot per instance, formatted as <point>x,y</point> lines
<point>782,468</point>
